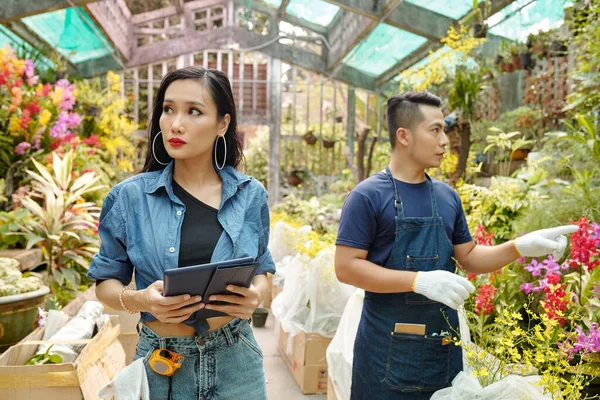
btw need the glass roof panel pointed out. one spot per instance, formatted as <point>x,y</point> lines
<point>71,35</point>
<point>453,9</point>
<point>22,47</point>
<point>382,49</point>
<point>522,17</point>
<point>317,11</point>
<point>9,38</point>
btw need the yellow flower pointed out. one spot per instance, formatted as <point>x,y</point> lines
<point>45,117</point>
<point>114,80</point>
<point>19,66</point>
<point>14,126</point>
<point>57,96</point>
<point>518,331</point>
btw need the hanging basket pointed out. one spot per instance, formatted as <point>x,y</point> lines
<point>526,60</point>
<point>310,138</point>
<point>328,144</point>
<point>520,154</point>
<point>296,177</point>
<point>480,30</point>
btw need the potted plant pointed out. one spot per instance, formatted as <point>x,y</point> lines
<point>526,57</point>
<point>20,299</point>
<point>558,48</point>
<point>309,137</point>
<point>329,137</point>
<point>259,317</point>
<point>296,176</point>
<point>481,12</point>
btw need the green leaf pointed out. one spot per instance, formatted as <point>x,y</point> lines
<point>56,359</point>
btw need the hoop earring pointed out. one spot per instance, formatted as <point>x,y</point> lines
<point>225,153</point>
<point>154,152</point>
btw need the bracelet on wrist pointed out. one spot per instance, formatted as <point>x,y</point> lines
<point>121,299</point>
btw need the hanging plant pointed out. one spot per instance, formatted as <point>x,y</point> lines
<point>310,138</point>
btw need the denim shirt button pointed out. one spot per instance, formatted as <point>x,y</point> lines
<point>172,249</point>
<point>179,213</point>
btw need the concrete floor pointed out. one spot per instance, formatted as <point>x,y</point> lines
<point>280,382</point>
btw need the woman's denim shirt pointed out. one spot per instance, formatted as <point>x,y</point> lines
<point>140,228</point>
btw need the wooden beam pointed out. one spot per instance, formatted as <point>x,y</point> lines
<point>274,79</point>
<point>11,10</point>
<point>349,30</point>
<point>176,29</point>
<point>281,12</point>
<point>420,21</point>
<point>353,28</point>
<point>178,4</point>
<point>212,39</point>
<point>350,123</point>
<point>172,11</point>
<point>301,58</point>
<point>114,21</point>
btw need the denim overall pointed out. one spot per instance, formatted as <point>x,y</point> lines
<point>400,366</point>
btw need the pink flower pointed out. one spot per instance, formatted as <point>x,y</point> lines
<point>29,73</point>
<point>551,265</point>
<point>21,147</point>
<point>527,287</point>
<point>535,268</point>
<point>68,98</point>
<point>64,122</point>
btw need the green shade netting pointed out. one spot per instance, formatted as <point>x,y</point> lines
<point>523,17</point>
<point>382,49</point>
<point>71,35</point>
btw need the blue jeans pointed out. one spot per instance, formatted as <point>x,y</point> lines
<point>224,364</point>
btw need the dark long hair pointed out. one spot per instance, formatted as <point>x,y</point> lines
<point>220,89</point>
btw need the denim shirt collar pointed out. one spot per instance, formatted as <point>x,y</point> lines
<point>231,180</point>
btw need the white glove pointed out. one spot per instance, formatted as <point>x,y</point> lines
<point>443,286</point>
<point>545,241</point>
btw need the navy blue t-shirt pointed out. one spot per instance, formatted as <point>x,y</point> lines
<point>368,213</point>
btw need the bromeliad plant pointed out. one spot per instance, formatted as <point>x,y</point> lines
<point>63,222</point>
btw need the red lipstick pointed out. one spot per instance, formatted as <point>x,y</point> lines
<point>176,142</point>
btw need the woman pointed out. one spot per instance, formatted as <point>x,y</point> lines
<point>189,206</point>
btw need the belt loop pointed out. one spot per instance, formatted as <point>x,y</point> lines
<point>162,343</point>
<point>228,335</point>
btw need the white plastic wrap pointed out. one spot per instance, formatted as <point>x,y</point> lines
<point>340,352</point>
<point>289,307</point>
<point>511,387</point>
<point>79,327</point>
<point>283,239</point>
<point>54,322</point>
<point>312,299</point>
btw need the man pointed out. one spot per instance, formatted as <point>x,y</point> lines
<point>399,233</point>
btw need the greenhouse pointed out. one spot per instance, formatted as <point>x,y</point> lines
<point>341,199</point>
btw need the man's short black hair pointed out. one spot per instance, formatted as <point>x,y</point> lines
<point>403,110</point>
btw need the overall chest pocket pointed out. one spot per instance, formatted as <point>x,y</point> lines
<point>418,363</point>
<point>424,264</point>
